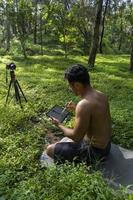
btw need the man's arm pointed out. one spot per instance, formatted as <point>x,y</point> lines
<point>81,122</point>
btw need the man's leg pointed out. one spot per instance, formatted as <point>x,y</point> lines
<point>78,152</point>
<point>50,150</point>
<point>51,147</point>
<point>65,151</point>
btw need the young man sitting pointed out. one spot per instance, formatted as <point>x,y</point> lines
<point>90,139</point>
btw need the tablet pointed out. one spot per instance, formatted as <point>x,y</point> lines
<point>56,112</point>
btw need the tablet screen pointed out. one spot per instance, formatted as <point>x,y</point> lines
<point>56,112</point>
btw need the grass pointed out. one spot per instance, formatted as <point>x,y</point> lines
<point>22,132</point>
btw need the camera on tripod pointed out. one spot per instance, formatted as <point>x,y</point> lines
<point>11,66</point>
<point>14,83</point>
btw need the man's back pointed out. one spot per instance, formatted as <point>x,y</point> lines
<point>99,132</point>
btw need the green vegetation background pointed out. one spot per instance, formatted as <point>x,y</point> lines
<point>22,132</point>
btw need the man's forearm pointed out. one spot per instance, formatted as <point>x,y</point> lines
<point>68,132</point>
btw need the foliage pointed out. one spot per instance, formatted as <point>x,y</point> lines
<point>66,182</point>
<point>69,23</point>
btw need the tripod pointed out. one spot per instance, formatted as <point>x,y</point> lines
<point>17,88</point>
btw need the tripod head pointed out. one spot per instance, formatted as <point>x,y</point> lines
<point>11,67</point>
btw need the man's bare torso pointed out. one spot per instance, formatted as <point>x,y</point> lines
<point>99,130</point>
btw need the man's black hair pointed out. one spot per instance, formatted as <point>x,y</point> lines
<point>77,73</point>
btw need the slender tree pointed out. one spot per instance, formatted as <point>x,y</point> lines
<point>131,58</point>
<point>103,27</point>
<point>95,40</point>
<point>121,14</point>
<point>41,31</point>
<point>129,18</point>
<point>8,35</point>
<point>35,21</point>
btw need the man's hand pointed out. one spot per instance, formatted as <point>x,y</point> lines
<point>71,106</point>
<point>55,121</point>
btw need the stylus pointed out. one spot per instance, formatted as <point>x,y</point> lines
<point>63,110</point>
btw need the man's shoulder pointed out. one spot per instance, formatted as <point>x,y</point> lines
<point>83,108</point>
<point>84,104</point>
<point>101,94</point>
<point>101,100</point>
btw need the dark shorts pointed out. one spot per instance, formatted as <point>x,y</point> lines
<point>79,152</point>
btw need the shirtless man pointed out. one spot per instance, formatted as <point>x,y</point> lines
<point>91,136</point>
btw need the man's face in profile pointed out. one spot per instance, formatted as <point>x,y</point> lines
<point>73,88</point>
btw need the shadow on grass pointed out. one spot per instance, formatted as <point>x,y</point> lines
<point>114,68</point>
<point>49,60</point>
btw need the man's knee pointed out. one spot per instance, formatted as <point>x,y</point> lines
<point>50,150</point>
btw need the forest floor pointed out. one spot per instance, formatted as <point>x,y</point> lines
<point>24,132</point>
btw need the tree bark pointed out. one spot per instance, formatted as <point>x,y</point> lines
<point>23,47</point>
<point>41,35</point>
<point>121,31</point>
<point>35,24</point>
<point>102,32</point>
<point>95,40</point>
<point>131,61</point>
<point>65,44</point>
<point>131,58</point>
<point>8,36</point>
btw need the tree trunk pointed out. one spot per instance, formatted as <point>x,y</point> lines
<point>35,24</point>
<point>102,32</point>
<point>41,36</point>
<point>65,44</point>
<point>95,40</point>
<point>8,36</point>
<point>121,32</point>
<point>131,59</point>
<point>23,47</point>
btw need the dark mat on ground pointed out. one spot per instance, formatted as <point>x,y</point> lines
<point>118,168</point>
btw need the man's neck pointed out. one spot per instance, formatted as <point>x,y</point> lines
<point>87,90</point>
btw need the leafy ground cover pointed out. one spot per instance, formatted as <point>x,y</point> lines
<point>23,132</point>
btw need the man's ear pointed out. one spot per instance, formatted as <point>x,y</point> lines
<point>77,85</point>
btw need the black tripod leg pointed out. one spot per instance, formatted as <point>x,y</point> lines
<point>21,90</point>
<point>16,91</point>
<point>17,95</point>
<point>8,91</point>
